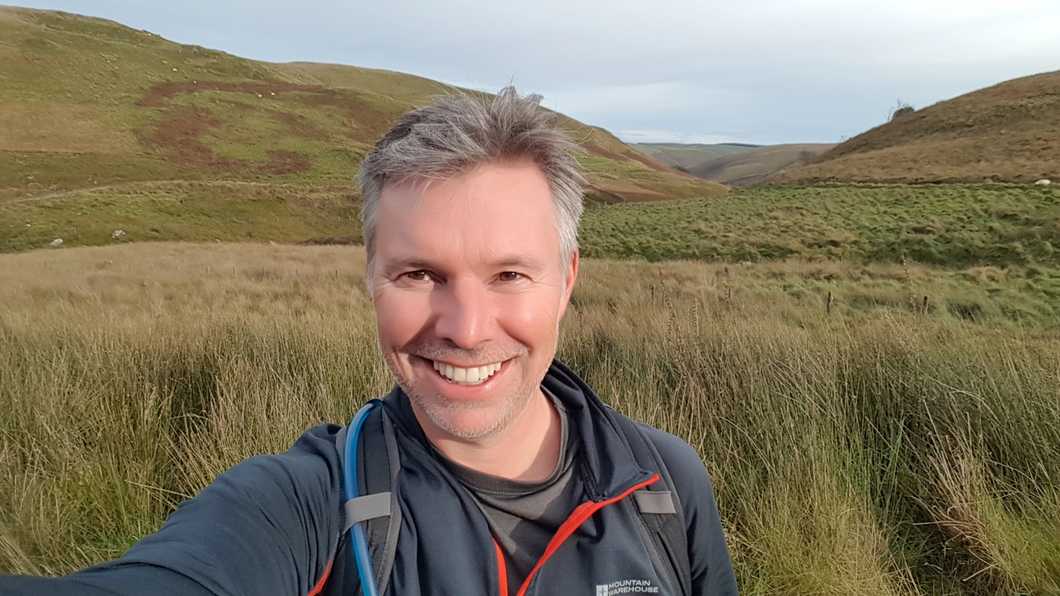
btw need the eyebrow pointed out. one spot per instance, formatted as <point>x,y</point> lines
<point>412,264</point>
<point>415,264</point>
<point>518,262</point>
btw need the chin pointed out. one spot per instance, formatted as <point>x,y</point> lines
<point>470,422</point>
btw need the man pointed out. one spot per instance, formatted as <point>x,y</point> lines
<point>504,474</point>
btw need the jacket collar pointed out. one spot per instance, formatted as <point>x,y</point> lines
<point>606,462</point>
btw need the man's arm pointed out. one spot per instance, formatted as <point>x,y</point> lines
<point>266,526</point>
<point>712,573</point>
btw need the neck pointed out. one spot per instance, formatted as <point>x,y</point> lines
<point>528,450</point>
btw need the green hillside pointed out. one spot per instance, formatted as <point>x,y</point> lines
<point>92,112</point>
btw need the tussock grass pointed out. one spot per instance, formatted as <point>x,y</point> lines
<point>873,450</point>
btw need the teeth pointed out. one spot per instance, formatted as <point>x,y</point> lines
<point>467,376</point>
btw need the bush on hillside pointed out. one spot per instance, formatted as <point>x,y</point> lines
<point>901,109</point>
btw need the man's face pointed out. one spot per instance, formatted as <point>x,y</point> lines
<point>469,289</point>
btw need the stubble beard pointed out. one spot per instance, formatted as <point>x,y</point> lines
<point>447,414</point>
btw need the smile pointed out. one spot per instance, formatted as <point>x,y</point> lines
<point>476,375</point>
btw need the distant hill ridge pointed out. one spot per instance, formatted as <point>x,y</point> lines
<point>686,156</point>
<point>758,164</point>
<point>734,164</point>
<point>1009,132</point>
<point>86,102</point>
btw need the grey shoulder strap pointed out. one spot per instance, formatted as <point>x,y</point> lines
<point>659,506</point>
<point>380,464</point>
<point>365,508</point>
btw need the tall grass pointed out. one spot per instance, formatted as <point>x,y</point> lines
<point>873,450</point>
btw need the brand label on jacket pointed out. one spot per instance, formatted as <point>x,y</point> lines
<point>626,586</point>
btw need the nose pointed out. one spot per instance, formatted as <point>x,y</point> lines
<point>463,314</point>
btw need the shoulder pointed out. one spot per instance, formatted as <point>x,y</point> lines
<point>267,525</point>
<point>683,463</point>
<point>710,564</point>
<point>304,482</point>
<point>313,461</point>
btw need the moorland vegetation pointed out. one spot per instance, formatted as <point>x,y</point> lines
<point>868,370</point>
<point>864,448</point>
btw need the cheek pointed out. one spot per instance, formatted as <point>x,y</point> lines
<point>399,318</point>
<point>531,321</point>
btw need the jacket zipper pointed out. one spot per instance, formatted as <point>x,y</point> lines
<point>578,517</point>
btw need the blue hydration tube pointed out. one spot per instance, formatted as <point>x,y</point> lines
<point>360,541</point>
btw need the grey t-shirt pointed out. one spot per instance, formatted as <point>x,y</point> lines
<point>523,516</point>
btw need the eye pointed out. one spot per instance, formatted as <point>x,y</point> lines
<point>510,276</point>
<point>418,275</point>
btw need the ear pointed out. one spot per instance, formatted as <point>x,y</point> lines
<point>570,276</point>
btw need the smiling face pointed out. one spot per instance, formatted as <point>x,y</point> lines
<point>469,288</point>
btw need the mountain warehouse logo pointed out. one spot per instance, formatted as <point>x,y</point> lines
<point>626,586</point>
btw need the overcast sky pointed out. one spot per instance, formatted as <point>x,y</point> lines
<point>754,71</point>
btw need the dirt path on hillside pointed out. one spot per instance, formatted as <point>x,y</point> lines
<point>61,193</point>
<point>141,184</point>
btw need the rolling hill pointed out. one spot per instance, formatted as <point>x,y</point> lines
<point>756,165</point>
<point>95,116</point>
<point>1009,132</point>
<point>686,156</point>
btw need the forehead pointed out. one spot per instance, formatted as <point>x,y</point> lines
<point>494,211</point>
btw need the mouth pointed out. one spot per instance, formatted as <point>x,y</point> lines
<point>474,375</point>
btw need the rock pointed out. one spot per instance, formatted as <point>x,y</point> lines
<point>1043,182</point>
<point>117,233</point>
<point>57,242</point>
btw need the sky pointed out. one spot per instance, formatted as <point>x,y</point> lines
<point>706,71</point>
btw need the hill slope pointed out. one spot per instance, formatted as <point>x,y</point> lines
<point>689,155</point>
<point>1009,132</point>
<point>756,165</point>
<point>88,103</point>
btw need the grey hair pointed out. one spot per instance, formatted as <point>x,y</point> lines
<point>459,133</point>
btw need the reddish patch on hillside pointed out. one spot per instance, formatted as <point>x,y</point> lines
<point>179,133</point>
<point>298,126</point>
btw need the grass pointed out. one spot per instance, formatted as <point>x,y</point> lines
<point>872,450</point>
<point>967,228</point>
<point>188,211</point>
<point>946,225</point>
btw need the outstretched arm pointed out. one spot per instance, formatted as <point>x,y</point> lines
<point>266,526</point>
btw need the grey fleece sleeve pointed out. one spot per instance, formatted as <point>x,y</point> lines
<point>712,573</point>
<point>268,525</point>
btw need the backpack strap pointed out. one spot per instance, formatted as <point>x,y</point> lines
<point>378,465</point>
<point>660,508</point>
